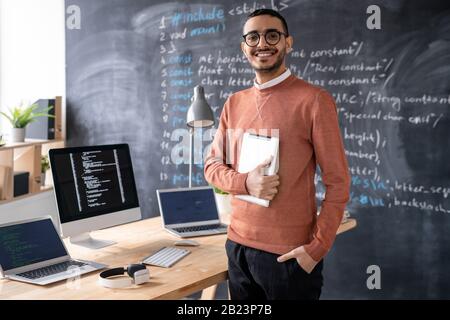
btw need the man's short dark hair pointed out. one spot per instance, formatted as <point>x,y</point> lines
<point>272,13</point>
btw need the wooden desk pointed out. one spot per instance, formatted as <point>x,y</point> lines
<point>205,267</point>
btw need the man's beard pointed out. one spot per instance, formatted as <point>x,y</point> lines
<point>274,67</point>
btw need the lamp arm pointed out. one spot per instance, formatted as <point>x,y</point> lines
<point>191,154</point>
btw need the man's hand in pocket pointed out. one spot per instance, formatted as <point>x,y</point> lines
<point>303,259</point>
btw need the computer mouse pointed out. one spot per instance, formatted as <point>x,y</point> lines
<point>187,242</point>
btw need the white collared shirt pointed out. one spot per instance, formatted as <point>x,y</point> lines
<point>274,81</point>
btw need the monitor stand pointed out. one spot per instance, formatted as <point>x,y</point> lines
<point>86,241</point>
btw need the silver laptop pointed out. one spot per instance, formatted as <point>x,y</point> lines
<point>32,251</point>
<point>190,212</point>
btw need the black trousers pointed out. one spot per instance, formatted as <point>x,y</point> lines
<point>257,275</point>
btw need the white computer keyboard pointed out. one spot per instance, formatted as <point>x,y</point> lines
<point>166,257</point>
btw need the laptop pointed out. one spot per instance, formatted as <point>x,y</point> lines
<point>31,251</point>
<point>190,212</point>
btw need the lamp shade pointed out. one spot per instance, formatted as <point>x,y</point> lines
<point>200,114</point>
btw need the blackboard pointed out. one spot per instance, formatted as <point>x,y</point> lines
<point>132,66</point>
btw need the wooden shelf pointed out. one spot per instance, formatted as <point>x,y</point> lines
<point>28,143</point>
<point>26,157</point>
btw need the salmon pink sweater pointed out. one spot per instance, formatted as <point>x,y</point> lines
<point>307,123</point>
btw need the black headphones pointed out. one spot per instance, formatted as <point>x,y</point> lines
<point>137,274</point>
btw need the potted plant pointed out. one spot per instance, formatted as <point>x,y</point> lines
<point>20,117</point>
<point>45,165</point>
<point>223,200</point>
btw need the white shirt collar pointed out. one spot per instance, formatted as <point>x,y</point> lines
<point>274,81</point>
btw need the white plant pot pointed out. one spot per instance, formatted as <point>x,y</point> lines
<point>224,206</point>
<point>43,179</point>
<point>17,134</point>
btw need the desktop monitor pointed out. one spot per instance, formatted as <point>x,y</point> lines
<point>94,189</point>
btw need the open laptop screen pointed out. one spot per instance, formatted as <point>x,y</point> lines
<point>190,205</point>
<point>30,242</point>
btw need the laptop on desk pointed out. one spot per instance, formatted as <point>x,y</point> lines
<point>32,251</point>
<point>190,212</point>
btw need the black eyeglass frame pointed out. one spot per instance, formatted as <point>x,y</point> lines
<point>265,34</point>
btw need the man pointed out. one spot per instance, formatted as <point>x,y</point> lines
<point>277,252</point>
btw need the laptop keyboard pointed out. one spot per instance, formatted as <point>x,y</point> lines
<point>51,270</point>
<point>200,228</point>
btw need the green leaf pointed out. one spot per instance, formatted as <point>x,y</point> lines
<point>45,164</point>
<point>219,191</point>
<point>20,117</point>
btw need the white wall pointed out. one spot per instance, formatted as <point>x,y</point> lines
<point>32,66</point>
<point>32,54</point>
<point>39,205</point>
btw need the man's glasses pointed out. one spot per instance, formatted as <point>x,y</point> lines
<point>272,37</point>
